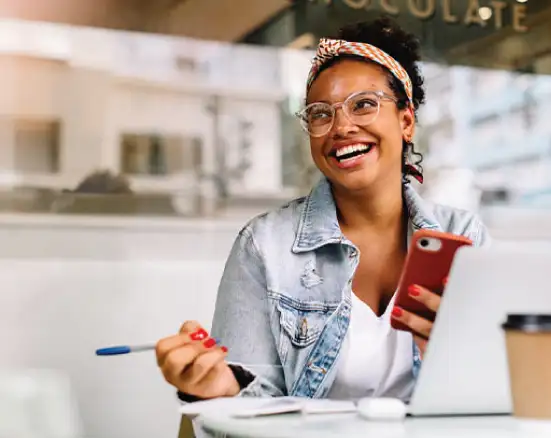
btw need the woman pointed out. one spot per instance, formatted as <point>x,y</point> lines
<point>306,298</point>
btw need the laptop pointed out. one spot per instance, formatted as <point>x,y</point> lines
<point>464,371</point>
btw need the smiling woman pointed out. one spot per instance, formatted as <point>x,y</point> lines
<point>308,290</point>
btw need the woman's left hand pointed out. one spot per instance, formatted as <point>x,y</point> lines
<point>420,326</point>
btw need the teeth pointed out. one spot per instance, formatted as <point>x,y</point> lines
<point>360,147</point>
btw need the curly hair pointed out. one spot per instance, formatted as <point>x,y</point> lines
<point>405,48</point>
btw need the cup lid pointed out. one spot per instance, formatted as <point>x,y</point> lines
<point>528,322</point>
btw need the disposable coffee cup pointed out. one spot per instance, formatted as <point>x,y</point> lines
<point>528,340</point>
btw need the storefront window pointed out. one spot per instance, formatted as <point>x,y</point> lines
<point>221,123</point>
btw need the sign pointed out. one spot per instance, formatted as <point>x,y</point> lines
<point>480,13</point>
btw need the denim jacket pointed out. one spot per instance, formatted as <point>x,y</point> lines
<point>284,302</point>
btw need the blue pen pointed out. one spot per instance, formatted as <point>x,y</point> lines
<point>126,349</point>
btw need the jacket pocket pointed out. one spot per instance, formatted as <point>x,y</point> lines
<point>303,323</point>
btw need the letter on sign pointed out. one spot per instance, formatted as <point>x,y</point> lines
<point>390,8</point>
<point>357,4</point>
<point>447,12</point>
<point>472,15</point>
<point>519,14</point>
<point>419,12</point>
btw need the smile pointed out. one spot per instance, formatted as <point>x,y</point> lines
<point>351,151</point>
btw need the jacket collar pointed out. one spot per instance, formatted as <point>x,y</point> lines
<point>319,226</point>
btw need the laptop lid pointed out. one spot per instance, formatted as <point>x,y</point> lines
<point>464,370</point>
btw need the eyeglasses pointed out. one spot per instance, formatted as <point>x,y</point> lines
<point>361,108</point>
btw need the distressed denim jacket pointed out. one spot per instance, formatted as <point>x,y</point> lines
<point>284,301</point>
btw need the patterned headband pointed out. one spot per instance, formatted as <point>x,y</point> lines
<point>328,49</point>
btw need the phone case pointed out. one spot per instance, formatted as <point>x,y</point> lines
<point>427,264</point>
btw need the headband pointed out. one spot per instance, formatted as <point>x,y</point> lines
<point>329,49</point>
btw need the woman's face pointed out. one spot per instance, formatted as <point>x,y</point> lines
<point>381,160</point>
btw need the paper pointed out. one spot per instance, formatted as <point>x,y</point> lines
<point>274,406</point>
<point>229,405</point>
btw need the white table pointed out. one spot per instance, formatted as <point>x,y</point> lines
<point>352,426</point>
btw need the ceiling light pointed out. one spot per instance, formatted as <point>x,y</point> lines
<point>485,13</point>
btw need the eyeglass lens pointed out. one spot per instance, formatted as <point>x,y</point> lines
<point>361,109</point>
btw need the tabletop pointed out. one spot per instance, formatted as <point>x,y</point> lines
<point>352,426</point>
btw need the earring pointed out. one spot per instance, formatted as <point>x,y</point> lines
<point>410,169</point>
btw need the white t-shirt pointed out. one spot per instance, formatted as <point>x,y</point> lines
<point>375,359</point>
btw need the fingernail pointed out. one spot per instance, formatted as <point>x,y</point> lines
<point>414,290</point>
<point>445,281</point>
<point>396,311</point>
<point>209,343</point>
<point>224,349</point>
<point>199,335</point>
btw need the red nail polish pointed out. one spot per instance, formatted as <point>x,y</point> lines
<point>209,343</point>
<point>199,335</point>
<point>224,349</point>
<point>414,291</point>
<point>396,311</point>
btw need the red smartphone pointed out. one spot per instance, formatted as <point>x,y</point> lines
<point>427,264</point>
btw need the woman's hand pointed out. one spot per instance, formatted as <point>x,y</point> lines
<point>193,363</point>
<point>420,326</point>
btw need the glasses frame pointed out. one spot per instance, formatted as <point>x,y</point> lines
<point>381,95</point>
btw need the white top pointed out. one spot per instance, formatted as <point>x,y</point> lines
<point>375,359</point>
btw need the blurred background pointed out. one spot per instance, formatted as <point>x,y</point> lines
<point>137,137</point>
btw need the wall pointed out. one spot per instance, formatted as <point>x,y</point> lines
<point>83,283</point>
<point>101,238</point>
<point>55,313</point>
<point>31,87</point>
<point>144,239</point>
<point>83,117</point>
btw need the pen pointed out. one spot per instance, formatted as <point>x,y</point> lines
<point>126,349</point>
